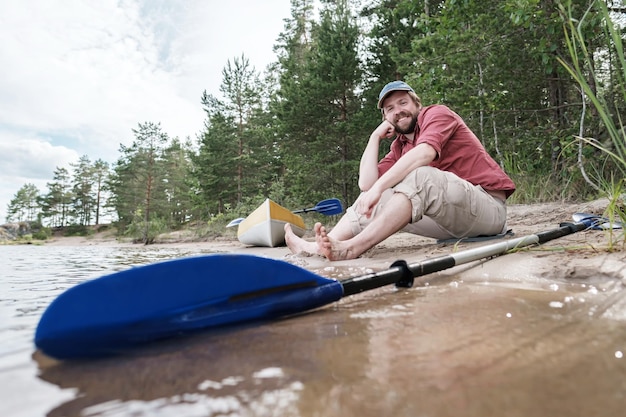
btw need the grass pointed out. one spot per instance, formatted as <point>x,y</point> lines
<point>582,68</point>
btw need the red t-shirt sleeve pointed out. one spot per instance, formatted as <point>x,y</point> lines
<point>437,127</point>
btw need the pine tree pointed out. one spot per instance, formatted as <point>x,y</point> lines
<point>24,206</point>
<point>317,103</point>
<point>231,165</point>
<point>214,165</point>
<point>137,183</point>
<point>83,193</point>
<point>177,166</point>
<point>101,173</point>
<point>57,203</point>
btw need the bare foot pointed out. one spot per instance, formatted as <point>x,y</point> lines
<point>296,244</point>
<point>332,249</point>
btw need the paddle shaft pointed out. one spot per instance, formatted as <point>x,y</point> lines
<point>329,207</point>
<point>402,274</point>
<point>127,308</point>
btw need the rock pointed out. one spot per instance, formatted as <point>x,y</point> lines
<point>13,231</point>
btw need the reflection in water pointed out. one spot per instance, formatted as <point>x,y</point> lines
<point>250,368</point>
<point>451,348</point>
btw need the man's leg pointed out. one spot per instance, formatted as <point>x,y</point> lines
<point>393,216</point>
<point>341,231</point>
<point>350,225</point>
<point>453,206</point>
<point>298,245</point>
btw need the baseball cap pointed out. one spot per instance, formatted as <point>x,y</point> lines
<point>390,87</point>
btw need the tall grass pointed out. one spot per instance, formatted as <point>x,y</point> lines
<point>609,182</point>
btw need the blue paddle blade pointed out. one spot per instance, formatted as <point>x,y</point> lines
<point>329,207</point>
<point>596,222</point>
<point>235,222</point>
<point>109,314</point>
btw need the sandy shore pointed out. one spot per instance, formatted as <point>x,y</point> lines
<point>580,255</point>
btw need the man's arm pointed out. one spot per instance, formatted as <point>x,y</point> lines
<point>422,155</point>
<point>368,169</point>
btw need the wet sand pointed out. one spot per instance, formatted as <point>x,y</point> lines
<point>448,349</point>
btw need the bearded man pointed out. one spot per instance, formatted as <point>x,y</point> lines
<point>437,181</point>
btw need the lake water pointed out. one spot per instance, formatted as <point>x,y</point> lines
<point>449,348</point>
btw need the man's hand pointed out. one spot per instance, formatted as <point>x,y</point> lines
<point>385,130</point>
<point>367,201</point>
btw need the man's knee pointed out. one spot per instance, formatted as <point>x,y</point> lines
<point>426,175</point>
<point>418,180</point>
<point>424,187</point>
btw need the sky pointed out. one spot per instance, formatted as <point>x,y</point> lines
<point>77,76</point>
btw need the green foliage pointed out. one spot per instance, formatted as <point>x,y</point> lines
<point>236,157</point>
<point>78,230</point>
<point>57,203</point>
<point>616,210</point>
<point>142,231</point>
<point>24,205</point>
<point>38,231</point>
<point>149,179</point>
<point>605,90</point>
<point>295,133</point>
<point>490,72</point>
<point>583,69</point>
<point>318,106</point>
<point>43,233</point>
<point>178,205</point>
<point>77,197</point>
<point>83,199</point>
<point>150,185</point>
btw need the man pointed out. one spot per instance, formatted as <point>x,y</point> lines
<point>437,181</point>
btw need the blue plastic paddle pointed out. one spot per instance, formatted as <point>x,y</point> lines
<point>600,223</point>
<point>328,207</point>
<point>115,312</point>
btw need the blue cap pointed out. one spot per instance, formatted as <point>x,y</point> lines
<point>392,86</point>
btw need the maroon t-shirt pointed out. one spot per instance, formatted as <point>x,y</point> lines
<point>458,150</point>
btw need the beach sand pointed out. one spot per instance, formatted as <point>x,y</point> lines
<point>583,254</point>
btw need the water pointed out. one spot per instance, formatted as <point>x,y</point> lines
<point>444,348</point>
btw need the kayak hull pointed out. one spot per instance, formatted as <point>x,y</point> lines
<point>265,226</point>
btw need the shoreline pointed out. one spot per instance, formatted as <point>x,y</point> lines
<point>522,219</point>
<point>580,255</point>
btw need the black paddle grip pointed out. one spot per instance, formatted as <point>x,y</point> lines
<point>563,230</point>
<point>407,279</point>
<point>399,272</point>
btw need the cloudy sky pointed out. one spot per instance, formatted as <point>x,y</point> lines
<point>76,76</point>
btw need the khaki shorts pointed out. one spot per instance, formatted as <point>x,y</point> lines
<point>443,205</point>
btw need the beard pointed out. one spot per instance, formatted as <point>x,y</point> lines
<point>410,128</point>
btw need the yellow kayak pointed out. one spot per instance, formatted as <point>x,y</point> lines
<point>265,226</point>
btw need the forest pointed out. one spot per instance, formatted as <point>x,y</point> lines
<point>541,83</point>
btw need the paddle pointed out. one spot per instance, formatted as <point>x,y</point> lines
<point>328,207</point>
<point>124,309</point>
<point>600,223</point>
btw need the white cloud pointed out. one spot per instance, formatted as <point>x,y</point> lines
<point>78,76</point>
<point>28,160</point>
<point>34,158</point>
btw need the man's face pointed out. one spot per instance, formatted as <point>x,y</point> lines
<point>401,111</point>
